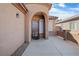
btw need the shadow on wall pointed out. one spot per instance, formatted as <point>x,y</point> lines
<point>66,35</point>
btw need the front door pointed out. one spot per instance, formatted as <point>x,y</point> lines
<point>41,28</point>
<point>35,29</point>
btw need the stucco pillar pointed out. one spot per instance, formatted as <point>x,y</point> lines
<point>46,27</point>
<point>27,28</point>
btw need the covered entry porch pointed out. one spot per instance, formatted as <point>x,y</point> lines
<point>54,46</point>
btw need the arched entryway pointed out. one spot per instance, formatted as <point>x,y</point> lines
<point>38,26</point>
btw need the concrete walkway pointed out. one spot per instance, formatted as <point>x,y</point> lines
<point>53,46</point>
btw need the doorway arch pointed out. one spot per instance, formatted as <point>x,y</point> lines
<point>38,25</point>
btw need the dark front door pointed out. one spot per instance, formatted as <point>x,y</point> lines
<point>35,29</point>
<point>41,28</point>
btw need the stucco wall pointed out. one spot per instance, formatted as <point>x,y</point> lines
<point>32,10</point>
<point>65,26</point>
<point>11,29</point>
<point>74,33</point>
<point>51,27</point>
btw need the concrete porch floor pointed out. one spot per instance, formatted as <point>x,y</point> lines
<point>53,46</point>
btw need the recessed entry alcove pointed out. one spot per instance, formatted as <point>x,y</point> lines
<point>38,26</point>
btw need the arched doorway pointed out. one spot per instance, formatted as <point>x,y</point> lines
<point>38,26</point>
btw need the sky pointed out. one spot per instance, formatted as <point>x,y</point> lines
<point>64,10</point>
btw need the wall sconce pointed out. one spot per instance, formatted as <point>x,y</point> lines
<point>17,15</point>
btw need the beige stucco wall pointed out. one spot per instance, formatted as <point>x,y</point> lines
<point>75,32</point>
<point>11,29</point>
<point>32,10</point>
<point>65,26</point>
<point>51,27</point>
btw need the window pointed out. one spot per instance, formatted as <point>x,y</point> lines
<point>72,26</point>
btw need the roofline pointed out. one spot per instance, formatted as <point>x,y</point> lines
<point>21,7</point>
<point>53,17</point>
<point>73,18</point>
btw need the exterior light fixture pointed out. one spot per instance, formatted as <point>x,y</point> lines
<point>17,15</point>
